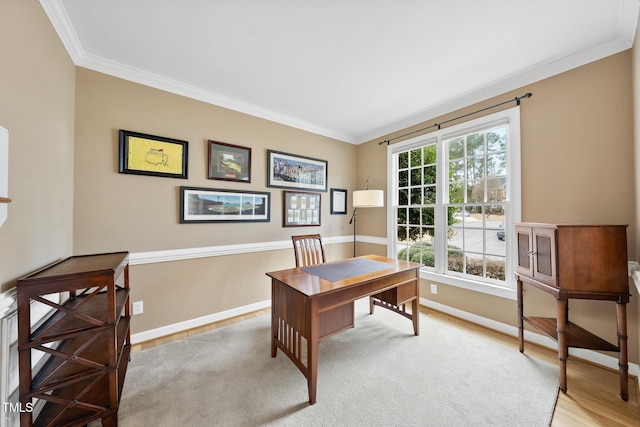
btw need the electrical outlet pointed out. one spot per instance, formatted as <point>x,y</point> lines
<point>138,308</point>
<point>434,288</point>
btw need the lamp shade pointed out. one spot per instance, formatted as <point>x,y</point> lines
<point>368,199</point>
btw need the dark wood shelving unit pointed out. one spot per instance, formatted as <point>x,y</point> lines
<point>575,262</point>
<point>84,342</point>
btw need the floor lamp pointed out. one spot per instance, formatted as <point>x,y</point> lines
<point>365,199</point>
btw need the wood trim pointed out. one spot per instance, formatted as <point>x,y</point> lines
<point>212,251</point>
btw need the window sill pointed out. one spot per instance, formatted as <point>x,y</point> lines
<point>485,288</point>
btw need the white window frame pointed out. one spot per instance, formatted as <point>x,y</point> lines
<point>513,199</point>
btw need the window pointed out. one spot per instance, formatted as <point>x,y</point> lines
<point>454,193</point>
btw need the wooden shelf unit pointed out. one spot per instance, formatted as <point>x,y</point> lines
<point>83,345</point>
<point>575,262</point>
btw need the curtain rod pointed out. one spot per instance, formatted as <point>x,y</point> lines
<point>438,125</point>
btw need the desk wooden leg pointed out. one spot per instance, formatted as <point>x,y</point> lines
<point>312,352</point>
<point>415,316</point>
<point>520,315</point>
<point>623,366</point>
<point>274,320</point>
<point>562,342</point>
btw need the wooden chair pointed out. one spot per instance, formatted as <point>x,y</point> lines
<point>308,249</point>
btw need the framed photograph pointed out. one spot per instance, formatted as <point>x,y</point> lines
<point>296,172</point>
<point>214,205</point>
<point>143,154</point>
<point>338,201</point>
<point>229,162</point>
<point>300,209</point>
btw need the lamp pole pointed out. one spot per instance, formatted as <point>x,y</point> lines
<point>354,220</point>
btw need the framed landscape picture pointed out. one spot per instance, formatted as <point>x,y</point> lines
<point>229,162</point>
<point>297,172</point>
<point>215,205</point>
<point>144,154</point>
<point>300,209</point>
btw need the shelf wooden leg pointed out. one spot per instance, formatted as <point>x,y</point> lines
<point>621,317</point>
<point>520,315</point>
<point>562,342</point>
<point>110,421</point>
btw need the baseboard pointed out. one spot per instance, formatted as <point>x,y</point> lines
<point>197,322</point>
<point>541,340</point>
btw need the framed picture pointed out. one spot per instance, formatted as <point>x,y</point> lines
<point>338,201</point>
<point>229,162</point>
<point>143,154</point>
<point>296,172</point>
<point>300,209</point>
<point>214,205</point>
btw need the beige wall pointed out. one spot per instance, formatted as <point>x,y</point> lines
<point>636,145</point>
<point>577,166</point>
<point>37,95</point>
<point>116,211</point>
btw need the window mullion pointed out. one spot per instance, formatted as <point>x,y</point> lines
<point>441,226</point>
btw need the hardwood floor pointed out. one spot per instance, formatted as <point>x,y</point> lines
<point>592,399</point>
<point>593,395</point>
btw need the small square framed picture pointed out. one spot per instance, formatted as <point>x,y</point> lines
<point>228,162</point>
<point>338,201</point>
<point>300,209</point>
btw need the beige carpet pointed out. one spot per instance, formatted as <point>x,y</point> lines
<point>377,374</point>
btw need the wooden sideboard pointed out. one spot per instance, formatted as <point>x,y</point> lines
<point>575,262</point>
<point>83,346</point>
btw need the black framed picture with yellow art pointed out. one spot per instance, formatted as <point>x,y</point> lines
<point>143,154</point>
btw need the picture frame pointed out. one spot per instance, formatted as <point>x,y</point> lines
<point>292,171</point>
<point>301,209</point>
<point>198,205</point>
<point>144,154</point>
<point>338,201</point>
<point>229,162</point>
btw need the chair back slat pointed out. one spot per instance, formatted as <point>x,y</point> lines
<point>308,250</point>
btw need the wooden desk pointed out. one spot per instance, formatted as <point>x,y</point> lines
<point>306,308</point>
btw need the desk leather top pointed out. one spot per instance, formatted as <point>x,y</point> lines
<point>310,284</point>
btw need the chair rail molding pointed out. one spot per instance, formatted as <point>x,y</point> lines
<point>151,257</point>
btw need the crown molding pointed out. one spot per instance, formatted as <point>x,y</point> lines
<point>534,74</point>
<point>57,14</point>
<point>116,69</point>
<point>628,21</point>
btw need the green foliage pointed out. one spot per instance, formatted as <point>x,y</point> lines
<point>495,269</point>
<point>418,171</point>
<point>421,254</point>
<point>476,175</point>
<point>425,255</point>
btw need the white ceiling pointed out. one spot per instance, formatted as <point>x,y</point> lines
<point>348,69</point>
